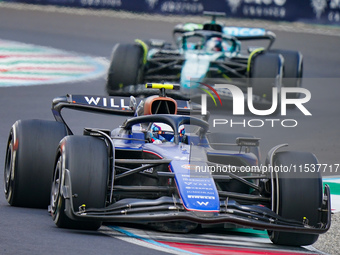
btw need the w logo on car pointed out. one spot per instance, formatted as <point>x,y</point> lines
<point>204,97</point>
<point>202,203</point>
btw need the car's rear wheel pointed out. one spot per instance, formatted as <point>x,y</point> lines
<point>29,161</point>
<point>298,197</point>
<point>266,73</point>
<point>293,69</point>
<point>126,68</point>
<point>86,159</point>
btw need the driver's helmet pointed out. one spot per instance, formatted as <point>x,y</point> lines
<point>214,44</point>
<point>161,132</point>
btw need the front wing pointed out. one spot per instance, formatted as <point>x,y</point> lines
<point>167,209</point>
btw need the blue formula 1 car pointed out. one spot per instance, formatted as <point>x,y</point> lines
<point>161,167</point>
<point>206,53</point>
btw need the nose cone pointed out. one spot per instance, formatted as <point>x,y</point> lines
<point>196,186</point>
<point>194,69</point>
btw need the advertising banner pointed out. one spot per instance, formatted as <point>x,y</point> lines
<point>309,11</point>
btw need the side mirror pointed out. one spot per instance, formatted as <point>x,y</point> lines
<point>133,103</point>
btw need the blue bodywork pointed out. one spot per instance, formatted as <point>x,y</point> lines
<point>194,182</point>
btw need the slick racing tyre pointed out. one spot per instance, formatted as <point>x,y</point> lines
<point>266,72</point>
<point>29,161</point>
<point>126,68</point>
<point>298,197</point>
<point>86,159</point>
<point>292,71</point>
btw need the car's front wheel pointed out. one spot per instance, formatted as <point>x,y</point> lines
<point>266,72</point>
<point>86,159</point>
<point>298,195</point>
<point>126,68</point>
<point>293,70</point>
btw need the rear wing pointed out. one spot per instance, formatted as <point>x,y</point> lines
<point>250,33</point>
<point>239,33</point>
<point>99,104</point>
<point>112,105</point>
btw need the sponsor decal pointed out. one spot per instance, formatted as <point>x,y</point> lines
<point>189,6</point>
<point>202,203</point>
<point>192,26</point>
<point>151,3</point>
<point>264,8</point>
<point>200,192</point>
<point>200,188</point>
<point>188,166</point>
<point>107,102</point>
<point>330,8</point>
<point>101,3</point>
<point>266,2</point>
<point>243,31</point>
<point>334,14</point>
<point>202,197</point>
<point>181,158</point>
<point>149,170</point>
<point>319,7</point>
<point>234,4</point>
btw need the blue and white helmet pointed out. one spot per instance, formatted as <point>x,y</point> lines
<point>161,132</point>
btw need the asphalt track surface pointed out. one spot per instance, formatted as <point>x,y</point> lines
<point>31,231</point>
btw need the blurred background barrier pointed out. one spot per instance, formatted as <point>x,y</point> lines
<point>309,11</point>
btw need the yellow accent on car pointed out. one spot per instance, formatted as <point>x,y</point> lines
<point>145,49</point>
<point>82,207</point>
<point>251,56</point>
<point>226,77</point>
<point>162,86</point>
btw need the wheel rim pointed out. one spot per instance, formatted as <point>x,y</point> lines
<point>8,169</point>
<point>55,190</point>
